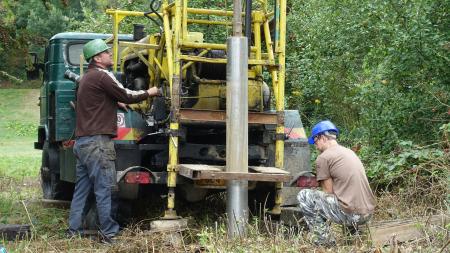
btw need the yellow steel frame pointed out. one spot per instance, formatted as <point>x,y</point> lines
<point>175,24</point>
<point>279,145</point>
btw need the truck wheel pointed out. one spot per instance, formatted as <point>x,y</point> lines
<point>52,186</point>
<point>45,175</point>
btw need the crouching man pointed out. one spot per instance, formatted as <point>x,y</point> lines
<point>346,197</point>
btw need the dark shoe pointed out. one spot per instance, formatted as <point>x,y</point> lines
<point>70,234</point>
<point>351,230</point>
<point>108,239</point>
<point>325,244</point>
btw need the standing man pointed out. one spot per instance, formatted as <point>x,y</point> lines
<point>346,197</point>
<point>99,93</point>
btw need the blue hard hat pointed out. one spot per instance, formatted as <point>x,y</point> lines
<point>321,127</point>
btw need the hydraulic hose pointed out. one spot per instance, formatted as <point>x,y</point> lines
<point>248,23</point>
<point>153,11</point>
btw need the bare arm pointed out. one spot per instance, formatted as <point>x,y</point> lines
<point>122,106</point>
<point>327,185</point>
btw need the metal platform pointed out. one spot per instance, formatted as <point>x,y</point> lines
<point>256,173</point>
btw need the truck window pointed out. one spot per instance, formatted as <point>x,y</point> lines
<point>76,49</point>
<point>73,54</point>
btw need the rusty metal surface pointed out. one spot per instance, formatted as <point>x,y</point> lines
<point>214,116</point>
<point>198,172</point>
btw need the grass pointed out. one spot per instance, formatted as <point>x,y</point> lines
<point>20,190</point>
<point>19,161</point>
<point>263,236</point>
<point>19,118</point>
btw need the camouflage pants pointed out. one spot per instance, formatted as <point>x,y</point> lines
<point>319,207</point>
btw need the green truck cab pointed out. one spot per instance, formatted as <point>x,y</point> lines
<point>57,114</point>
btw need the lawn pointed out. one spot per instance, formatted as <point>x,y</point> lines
<point>19,118</point>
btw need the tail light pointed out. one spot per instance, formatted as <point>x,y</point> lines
<point>138,177</point>
<point>68,144</point>
<point>307,182</point>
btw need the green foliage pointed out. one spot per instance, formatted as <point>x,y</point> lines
<point>379,69</point>
<point>96,20</point>
<point>420,169</point>
<point>26,26</point>
<point>408,163</point>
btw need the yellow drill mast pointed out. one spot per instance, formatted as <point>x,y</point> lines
<point>165,58</point>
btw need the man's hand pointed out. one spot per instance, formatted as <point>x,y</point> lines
<point>122,106</point>
<point>327,185</point>
<point>154,91</point>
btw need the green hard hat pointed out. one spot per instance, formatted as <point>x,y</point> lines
<point>94,47</point>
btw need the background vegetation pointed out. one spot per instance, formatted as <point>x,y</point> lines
<point>379,69</point>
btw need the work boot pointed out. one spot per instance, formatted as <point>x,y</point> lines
<point>326,242</point>
<point>70,234</point>
<point>110,240</point>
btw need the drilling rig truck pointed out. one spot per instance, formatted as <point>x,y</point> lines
<point>175,144</point>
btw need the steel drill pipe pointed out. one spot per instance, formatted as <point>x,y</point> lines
<point>237,134</point>
<point>237,18</point>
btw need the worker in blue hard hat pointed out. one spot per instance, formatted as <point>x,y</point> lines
<point>345,198</point>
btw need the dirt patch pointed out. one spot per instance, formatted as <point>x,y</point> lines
<point>26,84</point>
<point>30,103</point>
<point>6,84</point>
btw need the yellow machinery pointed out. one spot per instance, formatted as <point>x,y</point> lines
<point>191,71</point>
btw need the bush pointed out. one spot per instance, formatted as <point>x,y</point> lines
<point>407,165</point>
<point>377,69</point>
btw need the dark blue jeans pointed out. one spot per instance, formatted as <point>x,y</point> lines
<point>95,171</point>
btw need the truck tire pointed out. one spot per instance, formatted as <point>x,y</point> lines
<point>52,186</point>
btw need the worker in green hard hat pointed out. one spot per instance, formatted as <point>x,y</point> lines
<point>98,95</point>
<point>93,48</point>
<point>345,198</point>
